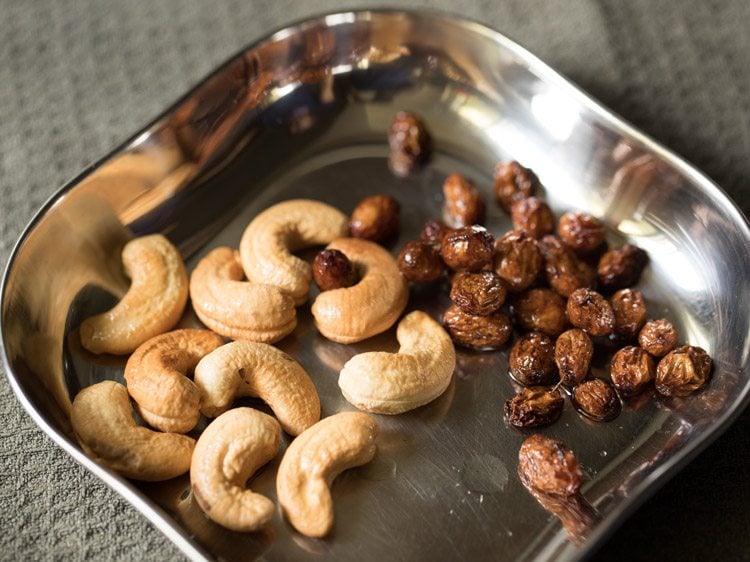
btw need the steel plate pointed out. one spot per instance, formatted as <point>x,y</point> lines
<point>304,113</point>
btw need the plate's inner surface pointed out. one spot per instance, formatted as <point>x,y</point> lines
<point>307,115</point>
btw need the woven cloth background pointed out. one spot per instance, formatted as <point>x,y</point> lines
<point>80,76</point>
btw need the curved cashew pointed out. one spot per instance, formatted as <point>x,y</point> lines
<point>393,383</point>
<point>244,368</point>
<point>371,306</point>
<point>269,240</point>
<point>235,308</point>
<point>103,423</point>
<point>157,381</point>
<point>228,452</point>
<point>153,304</point>
<point>314,460</point>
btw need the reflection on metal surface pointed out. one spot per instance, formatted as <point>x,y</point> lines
<point>304,113</point>
<point>576,515</point>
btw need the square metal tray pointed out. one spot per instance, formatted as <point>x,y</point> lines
<point>304,113</point>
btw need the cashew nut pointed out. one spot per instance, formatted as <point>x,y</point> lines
<point>157,381</point>
<point>153,304</point>
<point>244,368</point>
<point>269,240</point>
<point>103,423</point>
<point>371,306</point>
<point>227,454</point>
<point>393,383</point>
<point>314,460</point>
<point>238,309</point>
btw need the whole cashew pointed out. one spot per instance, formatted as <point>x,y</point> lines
<point>238,309</point>
<point>314,460</point>
<point>227,454</point>
<point>393,383</point>
<point>269,240</point>
<point>103,423</point>
<point>371,306</point>
<point>157,381</point>
<point>153,304</point>
<point>244,368</point>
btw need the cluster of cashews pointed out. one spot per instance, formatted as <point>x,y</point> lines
<point>250,296</point>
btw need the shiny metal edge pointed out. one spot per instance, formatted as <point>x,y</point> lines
<point>640,493</point>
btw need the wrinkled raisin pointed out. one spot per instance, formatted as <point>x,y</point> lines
<point>683,371</point>
<point>588,310</point>
<point>534,406</point>
<point>532,360</point>
<point>573,352</point>
<point>540,310</point>
<point>479,293</point>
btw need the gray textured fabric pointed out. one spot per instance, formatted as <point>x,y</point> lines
<point>80,76</point>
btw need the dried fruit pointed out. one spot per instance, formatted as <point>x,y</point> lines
<point>434,231</point>
<point>588,310</point>
<point>534,406</point>
<point>532,215</point>
<point>518,259</point>
<point>477,332</point>
<point>597,399</point>
<point>479,293</point>
<point>573,352</point>
<point>549,466</point>
<point>658,337</point>
<point>621,268</point>
<point>540,310</point>
<point>333,270</point>
<point>580,231</point>
<point>464,204</point>
<point>682,371</point>
<point>375,218</point>
<point>409,142</point>
<point>564,270</point>
<point>420,262</point>
<point>513,182</point>
<point>532,360</point>
<point>630,311</point>
<point>468,249</point>
<point>631,370</point>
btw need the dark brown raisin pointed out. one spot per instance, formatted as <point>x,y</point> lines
<point>518,259</point>
<point>621,268</point>
<point>540,310</point>
<point>333,270</point>
<point>409,142</point>
<point>479,293</point>
<point>468,249</point>
<point>658,337</point>
<point>683,371</point>
<point>464,205</point>
<point>630,311</point>
<point>532,360</point>
<point>532,215</point>
<point>580,231</point>
<point>434,231</point>
<point>477,332</point>
<point>549,466</point>
<point>597,399</point>
<point>534,406</point>
<point>513,182</point>
<point>573,352</point>
<point>375,218</point>
<point>420,262</point>
<point>564,270</point>
<point>632,370</point>
<point>588,310</point>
